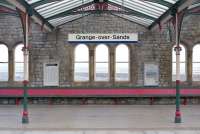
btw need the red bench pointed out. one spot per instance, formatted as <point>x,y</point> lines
<point>98,92</point>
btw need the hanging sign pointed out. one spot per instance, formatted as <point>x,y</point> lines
<point>101,38</point>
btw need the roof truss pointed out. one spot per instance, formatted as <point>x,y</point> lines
<point>180,5</point>
<point>121,10</point>
<point>32,11</point>
<point>53,13</point>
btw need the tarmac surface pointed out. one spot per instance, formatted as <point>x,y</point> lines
<point>100,119</point>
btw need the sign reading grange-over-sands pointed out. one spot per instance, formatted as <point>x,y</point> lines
<point>100,38</point>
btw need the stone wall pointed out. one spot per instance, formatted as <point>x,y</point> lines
<point>10,35</point>
<point>153,47</point>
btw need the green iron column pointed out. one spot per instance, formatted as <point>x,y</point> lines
<point>25,118</point>
<point>177,49</point>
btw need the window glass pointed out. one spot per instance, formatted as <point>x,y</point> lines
<point>19,63</point>
<point>122,63</point>
<point>81,65</point>
<point>196,63</point>
<point>101,63</point>
<point>3,63</point>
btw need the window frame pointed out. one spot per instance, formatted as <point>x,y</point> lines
<point>17,62</point>
<point>108,63</point>
<point>197,62</point>
<point>128,62</point>
<point>5,62</point>
<point>86,62</point>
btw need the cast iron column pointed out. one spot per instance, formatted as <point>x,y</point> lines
<point>177,49</point>
<point>25,118</point>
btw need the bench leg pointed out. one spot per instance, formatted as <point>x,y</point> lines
<point>185,101</point>
<point>17,101</point>
<point>151,100</point>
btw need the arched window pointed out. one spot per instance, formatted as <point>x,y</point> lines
<point>81,65</point>
<point>122,63</point>
<point>3,62</point>
<point>182,64</point>
<point>196,63</point>
<point>19,63</point>
<point>101,63</point>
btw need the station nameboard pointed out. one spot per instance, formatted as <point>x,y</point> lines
<point>101,38</point>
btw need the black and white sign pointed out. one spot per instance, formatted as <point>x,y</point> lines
<point>103,38</point>
<point>51,74</point>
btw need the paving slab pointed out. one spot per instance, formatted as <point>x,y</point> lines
<point>99,132</point>
<point>100,119</point>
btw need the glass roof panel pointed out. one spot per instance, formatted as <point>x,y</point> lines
<point>45,5</point>
<point>141,11</point>
<point>157,5</point>
<point>57,6</point>
<point>62,20</point>
<point>143,21</point>
<point>60,7</point>
<point>32,1</point>
<point>171,1</point>
<point>7,4</point>
<point>149,8</point>
<point>146,5</point>
<point>195,5</point>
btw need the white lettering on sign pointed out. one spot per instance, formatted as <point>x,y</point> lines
<point>123,37</point>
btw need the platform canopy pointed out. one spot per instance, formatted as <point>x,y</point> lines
<point>148,13</point>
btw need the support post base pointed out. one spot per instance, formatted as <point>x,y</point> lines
<point>177,117</point>
<point>25,119</point>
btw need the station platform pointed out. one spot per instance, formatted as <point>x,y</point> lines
<point>100,119</point>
